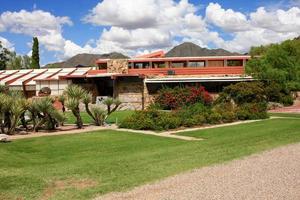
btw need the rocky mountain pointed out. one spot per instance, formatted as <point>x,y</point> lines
<point>188,49</point>
<point>84,60</point>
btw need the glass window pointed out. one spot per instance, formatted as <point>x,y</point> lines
<point>196,64</point>
<point>159,65</point>
<point>178,64</point>
<point>141,65</point>
<point>234,63</point>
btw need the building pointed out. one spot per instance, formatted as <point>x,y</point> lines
<point>134,81</point>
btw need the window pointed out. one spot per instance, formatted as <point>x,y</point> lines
<point>196,64</point>
<point>234,63</point>
<point>141,65</point>
<point>102,66</point>
<point>178,64</point>
<point>159,65</point>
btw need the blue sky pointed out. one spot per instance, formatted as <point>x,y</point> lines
<point>65,28</point>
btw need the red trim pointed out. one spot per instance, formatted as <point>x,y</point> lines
<point>48,76</point>
<point>157,54</point>
<point>190,71</point>
<point>28,80</point>
<point>170,59</point>
<point>13,80</point>
<point>4,77</point>
<point>97,71</point>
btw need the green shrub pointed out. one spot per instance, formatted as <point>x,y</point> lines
<point>190,115</point>
<point>252,111</point>
<point>151,120</point>
<point>214,118</point>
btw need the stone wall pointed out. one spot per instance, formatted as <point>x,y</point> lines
<point>130,94</point>
<point>117,66</point>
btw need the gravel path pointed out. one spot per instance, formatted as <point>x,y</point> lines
<point>270,175</point>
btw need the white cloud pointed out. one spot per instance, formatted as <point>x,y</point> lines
<point>228,20</point>
<point>280,21</point>
<point>135,26</point>
<point>155,25</point>
<point>259,28</point>
<point>7,44</point>
<point>44,25</point>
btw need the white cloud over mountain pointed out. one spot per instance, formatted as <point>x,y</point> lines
<point>133,26</point>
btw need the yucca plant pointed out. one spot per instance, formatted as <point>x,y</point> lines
<point>99,115</point>
<point>45,114</point>
<point>73,105</point>
<point>109,102</point>
<point>75,94</point>
<point>62,100</point>
<point>12,106</point>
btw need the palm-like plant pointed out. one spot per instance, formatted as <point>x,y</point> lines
<point>46,114</point>
<point>73,105</point>
<point>75,94</point>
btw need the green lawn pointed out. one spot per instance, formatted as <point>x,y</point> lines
<point>120,160</point>
<point>285,115</point>
<point>115,116</point>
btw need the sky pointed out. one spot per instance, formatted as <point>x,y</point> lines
<point>134,27</point>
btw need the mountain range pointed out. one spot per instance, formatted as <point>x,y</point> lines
<point>186,49</point>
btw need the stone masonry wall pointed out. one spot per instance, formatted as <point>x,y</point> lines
<point>130,94</point>
<point>117,66</point>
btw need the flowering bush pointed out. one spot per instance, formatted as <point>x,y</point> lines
<point>175,98</point>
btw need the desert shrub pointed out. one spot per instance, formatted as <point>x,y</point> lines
<point>248,100</point>
<point>227,111</point>
<point>243,92</point>
<point>252,111</point>
<point>278,93</point>
<point>175,98</point>
<point>214,118</point>
<point>189,115</point>
<point>151,120</point>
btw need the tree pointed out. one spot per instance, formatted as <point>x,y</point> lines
<point>4,57</point>
<point>14,61</point>
<point>35,62</point>
<point>277,64</point>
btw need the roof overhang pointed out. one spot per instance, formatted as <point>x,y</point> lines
<point>199,79</point>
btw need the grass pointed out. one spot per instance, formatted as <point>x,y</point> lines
<point>121,160</point>
<point>115,116</point>
<point>294,115</point>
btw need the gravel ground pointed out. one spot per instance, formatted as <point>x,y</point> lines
<point>270,175</point>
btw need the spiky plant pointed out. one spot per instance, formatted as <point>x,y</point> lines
<point>99,115</point>
<point>62,100</point>
<point>75,94</point>
<point>73,105</point>
<point>109,102</point>
<point>46,114</point>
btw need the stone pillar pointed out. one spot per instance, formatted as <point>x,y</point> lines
<point>117,66</point>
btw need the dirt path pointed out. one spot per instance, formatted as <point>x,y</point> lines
<point>272,175</point>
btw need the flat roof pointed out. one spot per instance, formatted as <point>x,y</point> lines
<point>163,59</point>
<point>199,79</point>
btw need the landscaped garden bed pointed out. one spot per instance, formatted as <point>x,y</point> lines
<point>194,106</point>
